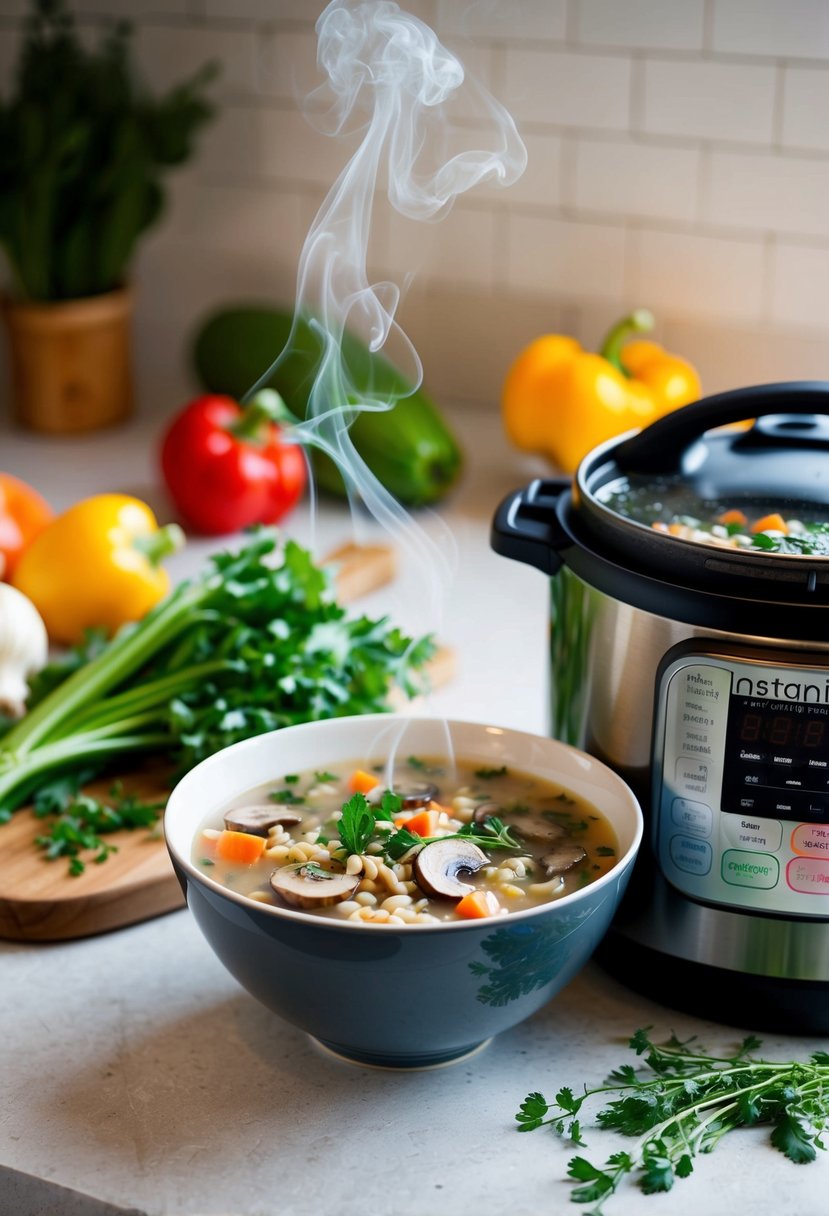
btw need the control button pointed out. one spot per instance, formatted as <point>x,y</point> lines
<point>759,835</point>
<point>741,869</point>
<point>692,856</point>
<point>809,875</point>
<point>753,756</point>
<point>692,775</point>
<point>692,816</point>
<point>785,807</point>
<point>811,840</point>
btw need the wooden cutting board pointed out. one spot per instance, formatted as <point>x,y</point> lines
<point>40,901</point>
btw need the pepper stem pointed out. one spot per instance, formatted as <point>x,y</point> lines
<point>160,544</point>
<point>260,412</point>
<point>640,321</point>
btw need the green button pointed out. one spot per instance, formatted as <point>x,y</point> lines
<point>742,869</point>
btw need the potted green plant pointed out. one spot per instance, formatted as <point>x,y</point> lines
<point>83,149</point>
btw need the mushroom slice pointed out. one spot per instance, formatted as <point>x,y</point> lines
<point>415,794</point>
<point>488,810</point>
<point>544,831</point>
<point>436,866</point>
<point>563,858</point>
<point>310,886</point>
<point>258,820</point>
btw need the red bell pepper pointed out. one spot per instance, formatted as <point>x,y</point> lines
<point>23,513</point>
<point>227,466</point>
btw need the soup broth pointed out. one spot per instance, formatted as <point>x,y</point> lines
<point>445,843</point>
<point>667,505</point>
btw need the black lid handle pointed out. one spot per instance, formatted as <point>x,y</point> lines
<point>526,526</point>
<point>660,447</point>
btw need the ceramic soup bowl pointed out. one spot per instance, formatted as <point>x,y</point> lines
<point>399,996</point>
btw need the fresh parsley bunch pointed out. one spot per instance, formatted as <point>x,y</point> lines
<point>681,1104</point>
<point>254,643</point>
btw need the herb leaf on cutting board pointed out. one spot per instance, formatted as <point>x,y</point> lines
<point>254,643</point>
<point>681,1103</point>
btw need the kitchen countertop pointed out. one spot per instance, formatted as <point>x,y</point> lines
<point>137,1076</point>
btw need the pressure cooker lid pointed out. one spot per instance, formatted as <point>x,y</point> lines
<point>685,494</point>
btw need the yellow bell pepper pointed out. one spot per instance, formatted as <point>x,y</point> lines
<point>561,401</point>
<point>97,566</point>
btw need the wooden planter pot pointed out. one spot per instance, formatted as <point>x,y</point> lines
<point>71,362</point>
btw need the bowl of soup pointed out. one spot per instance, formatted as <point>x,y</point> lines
<point>402,888</point>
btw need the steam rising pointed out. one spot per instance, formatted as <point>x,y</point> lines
<point>389,78</point>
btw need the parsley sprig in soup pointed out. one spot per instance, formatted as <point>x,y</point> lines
<point>435,843</point>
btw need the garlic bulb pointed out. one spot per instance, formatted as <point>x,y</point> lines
<point>24,648</point>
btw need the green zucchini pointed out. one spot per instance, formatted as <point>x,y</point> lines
<point>409,448</point>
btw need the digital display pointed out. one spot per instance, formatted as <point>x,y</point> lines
<point>782,730</point>
<point>777,759</point>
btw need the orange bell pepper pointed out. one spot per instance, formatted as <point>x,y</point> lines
<point>23,514</point>
<point>561,401</point>
<point>97,566</point>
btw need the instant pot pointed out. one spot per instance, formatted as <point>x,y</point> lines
<point>689,650</point>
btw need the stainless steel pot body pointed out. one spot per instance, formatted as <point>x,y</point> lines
<point>605,662</point>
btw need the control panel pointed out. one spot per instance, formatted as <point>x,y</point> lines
<point>741,782</point>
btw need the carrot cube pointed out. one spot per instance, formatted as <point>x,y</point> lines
<point>770,523</point>
<point>424,823</point>
<point>735,516</point>
<point>243,847</point>
<point>477,904</point>
<point>362,782</point>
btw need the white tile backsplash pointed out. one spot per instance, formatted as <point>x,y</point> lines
<point>567,89</point>
<point>638,24</point>
<point>678,158</point>
<point>529,19</point>
<point>766,191</point>
<point>622,177</point>
<point>709,100</point>
<point>686,275</point>
<point>542,182</point>
<point>806,108</point>
<point>800,287</point>
<point>562,258</point>
<point>287,64</point>
<point>772,27</point>
<point>291,149</point>
<point>167,54</point>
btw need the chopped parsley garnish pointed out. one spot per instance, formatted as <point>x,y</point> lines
<point>356,827</point>
<point>291,779</point>
<point>680,1104</point>
<point>486,774</point>
<point>604,850</point>
<point>324,778</point>
<point>286,797</point>
<point>416,763</point>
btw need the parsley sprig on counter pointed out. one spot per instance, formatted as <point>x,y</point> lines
<point>76,823</point>
<point>681,1104</point>
<point>254,643</point>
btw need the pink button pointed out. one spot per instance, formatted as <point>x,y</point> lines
<point>811,840</point>
<point>808,875</point>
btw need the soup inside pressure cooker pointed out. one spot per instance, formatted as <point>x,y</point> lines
<point>668,505</point>
<point>446,843</point>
